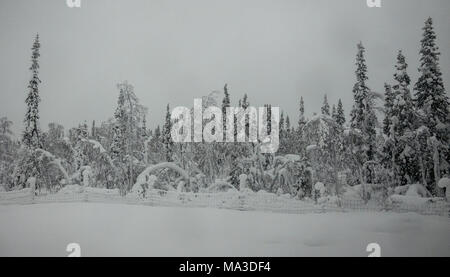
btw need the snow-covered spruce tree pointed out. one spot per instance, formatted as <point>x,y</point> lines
<point>403,120</point>
<point>117,148</point>
<point>235,171</point>
<point>432,104</point>
<point>282,135</point>
<point>334,112</point>
<point>224,148</point>
<point>118,145</point>
<point>325,107</point>
<point>363,117</point>
<point>288,125</point>
<point>268,108</point>
<point>144,136</point>
<point>388,103</point>
<point>299,143</point>
<point>55,133</point>
<point>126,148</point>
<point>214,159</point>
<point>301,118</point>
<point>8,153</point>
<point>340,114</point>
<point>245,104</point>
<point>157,132</point>
<point>282,125</point>
<point>32,133</point>
<point>290,138</point>
<point>225,104</point>
<point>28,163</point>
<point>156,147</point>
<point>93,134</point>
<point>58,145</point>
<point>5,128</point>
<point>268,157</point>
<point>429,89</point>
<point>167,137</point>
<point>403,107</point>
<point>143,131</point>
<point>360,90</point>
<point>79,149</point>
<point>388,143</point>
<point>324,138</point>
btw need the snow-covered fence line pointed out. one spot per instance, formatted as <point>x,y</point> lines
<point>23,196</point>
<point>243,201</point>
<point>427,206</point>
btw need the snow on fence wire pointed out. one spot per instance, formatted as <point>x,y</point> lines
<point>16,197</point>
<point>242,201</point>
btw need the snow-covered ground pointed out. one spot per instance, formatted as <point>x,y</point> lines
<point>127,230</point>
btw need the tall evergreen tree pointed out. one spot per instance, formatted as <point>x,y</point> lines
<point>360,90</point>
<point>283,134</point>
<point>388,103</point>
<point>127,147</point>
<point>325,106</point>
<point>431,99</point>
<point>32,133</point>
<point>340,114</point>
<point>288,124</point>
<point>268,108</point>
<point>118,145</point>
<point>144,131</point>
<point>433,104</point>
<point>301,119</point>
<point>403,125</point>
<point>167,137</point>
<point>225,104</point>
<point>298,144</point>
<point>93,130</point>
<point>282,128</point>
<point>244,103</point>
<point>403,107</point>
<point>158,131</point>
<point>334,112</point>
<point>7,151</point>
<point>363,115</point>
<point>387,149</point>
<point>82,134</point>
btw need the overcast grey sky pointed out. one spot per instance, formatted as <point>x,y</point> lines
<point>175,50</point>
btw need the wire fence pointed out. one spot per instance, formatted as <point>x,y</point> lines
<point>241,201</point>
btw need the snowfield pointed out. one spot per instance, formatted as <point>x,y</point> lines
<point>127,230</point>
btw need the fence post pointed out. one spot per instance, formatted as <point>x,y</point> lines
<point>32,182</point>
<point>147,195</point>
<point>85,194</point>
<point>241,206</point>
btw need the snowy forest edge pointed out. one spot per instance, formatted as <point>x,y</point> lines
<point>408,148</point>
